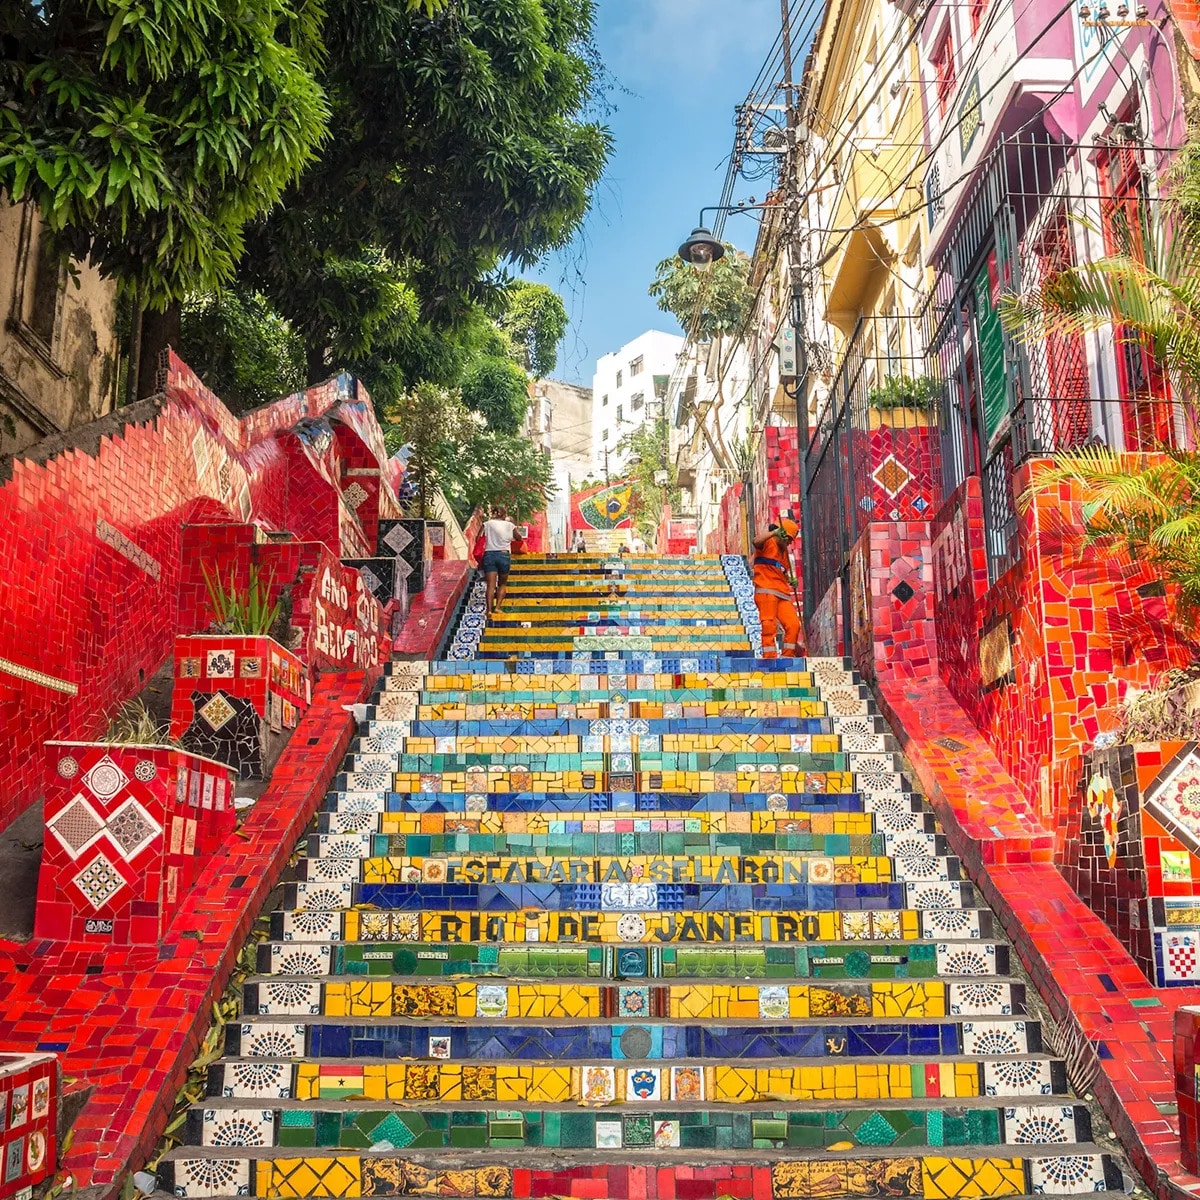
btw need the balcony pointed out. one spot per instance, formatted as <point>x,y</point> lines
<point>1038,206</point>
<point>996,77</point>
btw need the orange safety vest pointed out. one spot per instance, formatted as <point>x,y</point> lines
<point>771,569</point>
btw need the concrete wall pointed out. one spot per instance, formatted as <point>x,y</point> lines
<point>58,348</point>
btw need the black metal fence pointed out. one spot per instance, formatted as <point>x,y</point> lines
<point>995,394</point>
<point>1034,207</point>
<point>881,392</point>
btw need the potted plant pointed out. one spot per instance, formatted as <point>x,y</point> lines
<point>237,684</point>
<point>901,401</point>
<point>129,819</point>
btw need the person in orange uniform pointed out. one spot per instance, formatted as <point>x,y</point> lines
<point>774,591</point>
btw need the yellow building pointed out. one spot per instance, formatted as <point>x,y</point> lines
<point>862,113</point>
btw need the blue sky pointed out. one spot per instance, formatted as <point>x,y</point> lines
<point>686,65</point>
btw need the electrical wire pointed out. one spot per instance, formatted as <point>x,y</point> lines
<point>948,128</point>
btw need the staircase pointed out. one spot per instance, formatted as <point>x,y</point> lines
<point>611,909</point>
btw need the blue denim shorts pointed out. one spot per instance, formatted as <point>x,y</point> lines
<point>496,562</point>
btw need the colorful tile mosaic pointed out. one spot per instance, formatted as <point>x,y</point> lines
<point>627,905</point>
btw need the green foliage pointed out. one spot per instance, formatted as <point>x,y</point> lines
<point>437,425</point>
<point>247,610</point>
<point>535,318</point>
<point>1145,512</point>
<point>498,390</point>
<point>708,303</point>
<point>134,725</point>
<point>499,469</point>
<point>459,141</point>
<point>648,445</point>
<point>249,354</point>
<point>898,391</point>
<point>147,135</point>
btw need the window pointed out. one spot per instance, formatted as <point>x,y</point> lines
<point>618,379</point>
<point>635,367</point>
<point>1145,392</point>
<point>620,414</point>
<point>604,435</point>
<point>943,65</point>
<point>638,400</point>
<point>604,400</point>
<point>978,8</point>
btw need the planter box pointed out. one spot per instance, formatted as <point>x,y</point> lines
<point>232,693</point>
<point>29,1087</point>
<point>900,418</point>
<point>1132,852</point>
<point>126,830</point>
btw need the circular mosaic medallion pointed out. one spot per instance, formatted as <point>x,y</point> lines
<point>145,770</point>
<point>105,779</point>
<point>631,928</point>
<point>777,802</point>
<point>635,1042</point>
<point>68,767</point>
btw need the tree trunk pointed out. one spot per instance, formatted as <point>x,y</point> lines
<point>315,367</point>
<point>159,330</point>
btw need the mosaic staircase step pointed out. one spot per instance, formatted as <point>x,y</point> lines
<point>987,1036</point>
<point>636,927</point>
<point>359,1128</point>
<point>389,736</point>
<point>358,847</point>
<point>981,1040</point>
<point>790,1080</point>
<point>700,824</point>
<point>620,893</point>
<point>834,960</point>
<point>626,897</point>
<point>1010,1173</point>
<point>913,860</point>
<point>893,811</point>
<point>694,1000</point>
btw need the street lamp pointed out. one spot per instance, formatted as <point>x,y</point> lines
<point>701,249</point>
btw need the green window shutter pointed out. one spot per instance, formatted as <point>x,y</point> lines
<point>990,339</point>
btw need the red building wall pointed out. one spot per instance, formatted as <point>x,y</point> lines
<point>91,542</point>
<point>1041,659</point>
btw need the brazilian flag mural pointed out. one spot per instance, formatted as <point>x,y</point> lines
<point>604,508</point>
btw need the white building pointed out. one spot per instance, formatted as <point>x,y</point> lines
<point>628,389</point>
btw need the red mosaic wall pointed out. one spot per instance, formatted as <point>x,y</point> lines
<point>259,670</point>
<point>91,543</point>
<point>901,461</point>
<point>1041,659</point>
<point>28,1121</point>
<point>128,1022</point>
<point>729,535</point>
<point>892,601</point>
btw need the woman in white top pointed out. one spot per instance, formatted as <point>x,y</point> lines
<point>497,556</point>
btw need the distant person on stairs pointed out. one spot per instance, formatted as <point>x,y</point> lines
<point>497,556</point>
<point>774,589</point>
<point>579,545</point>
